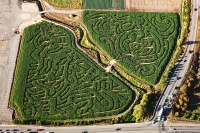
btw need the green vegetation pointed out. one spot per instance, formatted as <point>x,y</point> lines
<point>77,4</point>
<point>88,4</point>
<point>103,4</point>
<point>54,80</point>
<point>142,43</point>
<point>145,109</point>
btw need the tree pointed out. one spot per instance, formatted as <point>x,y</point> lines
<point>191,79</point>
<point>188,83</point>
<point>198,74</point>
<point>192,117</point>
<point>186,99</point>
<point>139,112</point>
<point>177,114</point>
<point>180,101</point>
<point>185,105</point>
<point>198,118</point>
<point>183,88</point>
<point>186,115</point>
<point>177,106</point>
<point>181,96</point>
<point>183,108</point>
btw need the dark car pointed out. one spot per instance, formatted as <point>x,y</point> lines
<point>190,51</point>
<point>15,130</point>
<point>27,129</point>
<point>118,129</point>
<point>177,87</point>
<point>195,9</point>
<point>84,131</point>
<point>16,32</point>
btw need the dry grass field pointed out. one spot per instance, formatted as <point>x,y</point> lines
<point>153,5</point>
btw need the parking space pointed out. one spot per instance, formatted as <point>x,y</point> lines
<point>11,17</point>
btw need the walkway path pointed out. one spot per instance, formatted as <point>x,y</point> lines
<point>111,63</point>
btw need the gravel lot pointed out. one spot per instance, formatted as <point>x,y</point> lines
<point>154,5</point>
<point>14,15</point>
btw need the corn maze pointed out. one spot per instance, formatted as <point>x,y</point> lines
<point>54,80</point>
<point>142,43</point>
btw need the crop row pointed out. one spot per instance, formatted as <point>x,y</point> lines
<point>140,42</point>
<point>54,80</point>
<point>77,4</point>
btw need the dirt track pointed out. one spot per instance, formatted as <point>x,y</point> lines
<point>153,5</point>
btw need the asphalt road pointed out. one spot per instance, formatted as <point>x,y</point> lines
<point>125,128</point>
<point>183,65</point>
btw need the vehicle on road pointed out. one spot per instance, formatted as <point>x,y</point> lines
<point>195,9</point>
<point>177,87</point>
<point>160,112</point>
<point>84,131</point>
<point>118,129</point>
<point>153,122</point>
<point>172,129</point>
<point>27,129</point>
<point>190,51</point>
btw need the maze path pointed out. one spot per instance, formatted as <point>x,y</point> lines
<point>56,81</point>
<point>140,42</point>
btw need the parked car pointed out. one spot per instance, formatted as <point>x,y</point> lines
<point>16,32</point>
<point>195,9</point>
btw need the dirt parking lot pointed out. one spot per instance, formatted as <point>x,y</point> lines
<point>14,15</point>
<point>153,5</point>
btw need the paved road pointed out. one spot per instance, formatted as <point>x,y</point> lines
<point>183,65</point>
<point>125,128</point>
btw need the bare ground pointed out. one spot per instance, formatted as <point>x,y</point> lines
<point>153,5</point>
